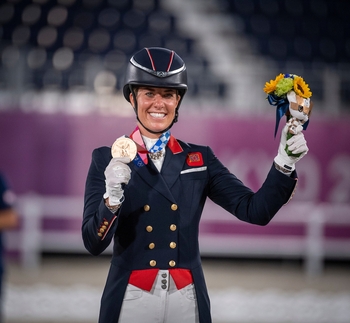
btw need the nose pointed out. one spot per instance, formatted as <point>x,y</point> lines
<point>158,101</point>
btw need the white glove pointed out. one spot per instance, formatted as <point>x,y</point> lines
<point>117,173</point>
<point>296,144</point>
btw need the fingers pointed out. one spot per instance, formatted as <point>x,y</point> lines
<point>118,177</point>
<point>118,171</point>
<point>121,169</point>
<point>115,194</point>
<point>118,161</point>
<point>124,160</point>
<point>297,144</point>
<point>294,126</point>
<point>122,172</point>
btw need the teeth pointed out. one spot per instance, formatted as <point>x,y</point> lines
<point>157,115</point>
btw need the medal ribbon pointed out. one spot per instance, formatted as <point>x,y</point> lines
<point>161,142</point>
<point>141,158</point>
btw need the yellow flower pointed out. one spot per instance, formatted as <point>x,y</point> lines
<point>301,88</point>
<point>271,86</point>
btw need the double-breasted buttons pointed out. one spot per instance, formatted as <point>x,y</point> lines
<point>146,207</point>
<point>149,228</point>
<point>105,223</point>
<point>153,263</point>
<point>173,207</point>
<point>172,245</point>
<point>151,245</point>
<point>172,263</point>
<point>173,227</point>
<point>100,234</point>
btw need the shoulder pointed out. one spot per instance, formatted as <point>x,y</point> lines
<point>101,156</point>
<point>193,147</point>
<point>205,151</point>
<point>102,151</point>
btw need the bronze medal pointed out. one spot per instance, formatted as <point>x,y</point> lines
<point>124,147</point>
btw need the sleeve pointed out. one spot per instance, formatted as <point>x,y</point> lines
<point>99,223</point>
<point>226,190</point>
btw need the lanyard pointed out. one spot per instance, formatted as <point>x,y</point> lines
<point>141,158</point>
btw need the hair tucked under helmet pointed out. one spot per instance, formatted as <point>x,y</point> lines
<point>156,67</point>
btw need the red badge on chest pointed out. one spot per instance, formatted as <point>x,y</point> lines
<point>194,159</point>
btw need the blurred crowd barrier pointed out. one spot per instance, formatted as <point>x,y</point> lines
<point>312,232</point>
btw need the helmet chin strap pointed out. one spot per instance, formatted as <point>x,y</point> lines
<point>149,130</point>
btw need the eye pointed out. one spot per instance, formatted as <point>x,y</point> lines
<point>300,108</point>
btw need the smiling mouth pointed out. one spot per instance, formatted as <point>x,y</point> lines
<point>157,115</point>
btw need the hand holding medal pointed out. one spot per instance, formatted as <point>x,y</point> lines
<point>118,173</point>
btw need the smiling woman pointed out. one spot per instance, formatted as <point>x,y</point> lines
<point>151,206</point>
<point>155,108</point>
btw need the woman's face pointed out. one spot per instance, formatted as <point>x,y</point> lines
<point>155,108</point>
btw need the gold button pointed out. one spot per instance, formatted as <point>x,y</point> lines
<point>173,227</point>
<point>149,228</point>
<point>104,227</point>
<point>105,223</point>
<point>152,263</point>
<point>146,208</point>
<point>172,245</point>
<point>172,263</point>
<point>100,234</point>
<point>151,245</point>
<point>102,230</point>
<point>174,207</point>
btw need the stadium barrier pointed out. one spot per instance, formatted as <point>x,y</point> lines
<point>312,232</point>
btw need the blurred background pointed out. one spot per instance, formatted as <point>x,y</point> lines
<point>61,73</point>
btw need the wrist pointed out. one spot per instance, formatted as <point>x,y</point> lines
<point>282,169</point>
<point>283,166</point>
<point>112,207</point>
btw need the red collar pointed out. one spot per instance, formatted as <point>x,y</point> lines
<point>173,145</point>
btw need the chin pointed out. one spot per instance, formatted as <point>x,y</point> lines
<point>157,129</point>
<point>158,126</point>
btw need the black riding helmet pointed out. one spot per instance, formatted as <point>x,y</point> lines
<point>156,67</point>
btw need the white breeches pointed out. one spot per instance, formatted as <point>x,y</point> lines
<point>163,304</point>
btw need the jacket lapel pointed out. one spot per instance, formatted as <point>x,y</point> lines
<point>150,175</point>
<point>163,181</point>
<point>172,166</point>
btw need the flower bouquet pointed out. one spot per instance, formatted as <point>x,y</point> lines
<point>291,96</point>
